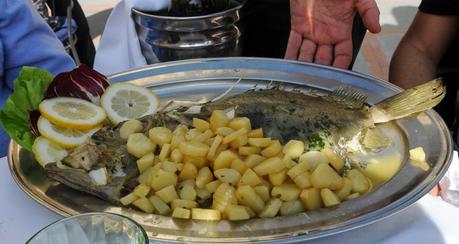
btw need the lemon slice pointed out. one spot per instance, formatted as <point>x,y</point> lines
<point>66,138</point>
<point>124,101</point>
<point>45,151</point>
<point>72,113</point>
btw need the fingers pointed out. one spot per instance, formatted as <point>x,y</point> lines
<point>370,14</point>
<point>294,44</point>
<point>343,54</point>
<point>307,51</point>
<point>324,55</point>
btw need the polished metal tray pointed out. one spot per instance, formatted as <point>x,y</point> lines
<point>203,79</point>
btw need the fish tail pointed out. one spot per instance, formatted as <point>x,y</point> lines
<point>410,101</point>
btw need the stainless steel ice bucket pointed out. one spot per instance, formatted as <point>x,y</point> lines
<point>167,38</point>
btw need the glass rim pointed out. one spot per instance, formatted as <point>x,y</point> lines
<point>90,214</point>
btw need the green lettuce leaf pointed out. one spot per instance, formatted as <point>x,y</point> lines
<point>29,90</point>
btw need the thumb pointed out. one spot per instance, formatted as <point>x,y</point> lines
<point>370,14</point>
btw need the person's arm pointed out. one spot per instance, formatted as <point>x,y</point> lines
<point>321,30</point>
<point>28,41</point>
<point>418,53</point>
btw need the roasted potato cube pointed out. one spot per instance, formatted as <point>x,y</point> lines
<point>266,183</point>
<point>165,151</point>
<point>199,162</point>
<point>239,165</point>
<point>224,196</point>
<point>345,190</point>
<point>238,142</point>
<point>129,198</point>
<point>201,124</point>
<point>298,170</point>
<point>181,203</point>
<point>293,148</point>
<point>130,127</point>
<point>329,198</point>
<point>250,211</point>
<point>139,145</point>
<point>224,131</point>
<point>212,186</point>
<point>141,190</point>
<point>213,147</point>
<point>246,151</point>
<point>180,130</point>
<point>168,194</point>
<point>218,119</point>
<point>291,207</point>
<point>203,193</point>
<point>286,192</point>
<point>192,134</point>
<point>144,205</point>
<point>236,212</point>
<point>288,162</point>
<point>181,213</point>
<point>187,192</point>
<point>272,150</point>
<point>250,178</point>
<point>145,162</point>
<point>359,181</point>
<point>311,198</point>
<point>269,166</point>
<point>257,133</point>
<point>176,140</point>
<point>325,177</point>
<point>418,158</point>
<point>353,195</point>
<point>162,179</point>
<point>302,180</point>
<point>233,136</point>
<point>253,160</point>
<point>333,158</point>
<point>169,166</point>
<point>204,176</point>
<point>313,158</point>
<point>161,207</point>
<point>176,156</point>
<point>418,154</point>
<point>189,171</point>
<point>205,214</point>
<point>278,178</point>
<point>240,122</point>
<point>206,135</point>
<point>247,196</point>
<point>259,142</point>
<point>224,160</point>
<point>271,208</point>
<point>145,177</point>
<point>194,148</point>
<point>263,192</point>
<point>190,182</point>
<point>230,176</point>
<point>160,135</point>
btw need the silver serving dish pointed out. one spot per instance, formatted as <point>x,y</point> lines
<point>206,78</point>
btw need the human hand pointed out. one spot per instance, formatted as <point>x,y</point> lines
<point>321,30</point>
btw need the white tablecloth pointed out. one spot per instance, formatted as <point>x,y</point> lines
<point>430,220</point>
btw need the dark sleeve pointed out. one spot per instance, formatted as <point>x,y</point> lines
<point>440,7</point>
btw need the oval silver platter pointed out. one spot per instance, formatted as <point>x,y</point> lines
<point>204,79</point>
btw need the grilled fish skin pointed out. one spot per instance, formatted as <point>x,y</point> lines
<point>283,115</point>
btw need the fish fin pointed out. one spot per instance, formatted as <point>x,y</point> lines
<point>411,101</point>
<point>347,96</point>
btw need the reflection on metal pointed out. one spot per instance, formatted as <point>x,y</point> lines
<point>167,38</point>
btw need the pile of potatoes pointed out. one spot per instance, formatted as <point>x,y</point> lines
<point>235,168</point>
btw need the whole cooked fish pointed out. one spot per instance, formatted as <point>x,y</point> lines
<point>283,115</point>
